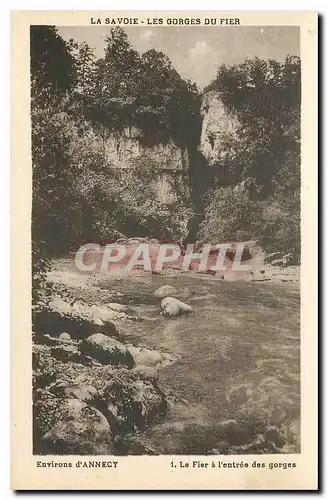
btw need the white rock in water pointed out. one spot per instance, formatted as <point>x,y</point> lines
<point>173,307</point>
<point>59,305</point>
<point>64,336</point>
<point>166,291</point>
<point>148,357</point>
<point>111,312</point>
<point>146,373</point>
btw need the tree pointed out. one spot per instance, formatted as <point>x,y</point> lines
<point>143,91</point>
<point>56,214</point>
<point>230,215</point>
<point>52,63</point>
<point>266,97</point>
<point>85,66</point>
<point>261,198</point>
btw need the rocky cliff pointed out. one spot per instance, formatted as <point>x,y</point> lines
<point>171,164</point>
<point>126,150</point>
<point>219,129</point>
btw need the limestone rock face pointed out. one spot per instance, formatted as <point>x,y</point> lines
<point>219,127</point>
<point>126,149</point>
<point>127,146</point>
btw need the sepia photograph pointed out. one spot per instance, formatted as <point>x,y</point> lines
<point>166,244</point>
<point>164,187</point>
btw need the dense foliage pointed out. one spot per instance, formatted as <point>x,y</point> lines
<point>125,88</point>
<point>77,101</point>
<point>263,201</point>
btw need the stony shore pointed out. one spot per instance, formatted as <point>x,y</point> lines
<point>95,391</point>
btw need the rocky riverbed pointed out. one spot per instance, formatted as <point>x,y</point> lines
<point>113,376</point>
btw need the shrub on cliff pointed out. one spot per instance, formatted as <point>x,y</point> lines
<point>265,95</point>
<point>142,90</point>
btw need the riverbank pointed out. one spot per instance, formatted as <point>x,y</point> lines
<point>230,382</point>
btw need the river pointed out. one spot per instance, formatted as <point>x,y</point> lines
<point>237,355</point>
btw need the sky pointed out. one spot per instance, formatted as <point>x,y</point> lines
<point>196,52</point>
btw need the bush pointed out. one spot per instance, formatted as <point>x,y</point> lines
<point>231,215</point>
<point>264,160</point>
<point>280,228</point>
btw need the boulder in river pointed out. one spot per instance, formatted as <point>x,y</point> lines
<point>117,311</point>
<point>170,306</point>
<point>86,393</point>
<point>154,241</point>
<point>282,260</point>
<point>102,315</point>
<point>65,337</point>
<point>121,241</point>
<point>150,357</point>
<point>132,404</point>
<point>146,373</point>
<point>79,430</point>
<point>47,321</point>
<point>136,240</point>
<point>166,291</point>
<point>107,350</point>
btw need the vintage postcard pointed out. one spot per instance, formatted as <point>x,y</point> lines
<point>164,278</point>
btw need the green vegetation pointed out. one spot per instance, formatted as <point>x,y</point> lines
<point>263,200</point>
<point>78,196</point>
<point>77,101</point>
